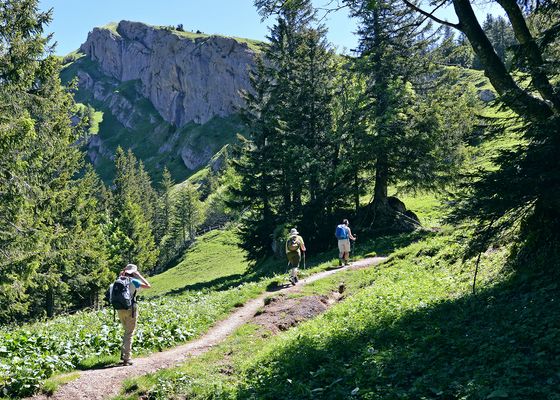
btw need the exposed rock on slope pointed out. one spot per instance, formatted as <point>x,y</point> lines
<point>186,79</point>
<point>169,96</point>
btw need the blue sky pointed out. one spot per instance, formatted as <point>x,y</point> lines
<point>72,19</point>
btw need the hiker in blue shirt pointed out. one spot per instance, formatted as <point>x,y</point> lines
<point>344,235</point>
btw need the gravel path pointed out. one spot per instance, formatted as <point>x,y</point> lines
<point>106,383</point>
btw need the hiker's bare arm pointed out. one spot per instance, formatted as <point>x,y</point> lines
<point>145,284</point>
<point>350,234</point>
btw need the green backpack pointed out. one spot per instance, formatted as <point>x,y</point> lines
<point>293,243</point>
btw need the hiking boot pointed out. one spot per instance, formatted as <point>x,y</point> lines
<point>293,280</point>
<point>340,262</point>
<point>127,362</point>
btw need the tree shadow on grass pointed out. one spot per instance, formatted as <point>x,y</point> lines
<point>501,343</point>
<point>218,284</point>
<point>385,245</point>
<point>269,267</point>
<point>99,362</point>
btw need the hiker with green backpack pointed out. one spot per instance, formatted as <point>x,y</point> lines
<point>344,235</point>
<point>294,248</point>
<point>122,296</point>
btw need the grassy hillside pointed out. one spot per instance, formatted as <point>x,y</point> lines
<point>253,44</point>
<point>410,329</point>
<point>209,282</point>
<point>416,331</point>
<point>215,258</point>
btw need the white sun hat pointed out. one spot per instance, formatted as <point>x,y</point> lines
<point>131,268</point>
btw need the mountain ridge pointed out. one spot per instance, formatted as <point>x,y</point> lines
<point>171,96</point>
<point>175,70</point>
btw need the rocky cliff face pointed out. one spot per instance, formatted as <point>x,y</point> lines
<point>172,97</point>
<point>187,78</point>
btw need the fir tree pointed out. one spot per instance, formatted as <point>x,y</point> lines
<point>404,136</point>
<point>187,213</point>
<point>75,269</point>
<point>500,34</point>
<point>164,208</point>
<point>258,190</point>
<point>40,195</point>
<point>163,231</point>
<point>133,214</point>
<point>131,239</point>
<point>287,161</point>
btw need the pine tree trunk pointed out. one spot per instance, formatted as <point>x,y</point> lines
<point>49,302</point>
<point>357,191</point>
<point>518,99</point>
<point>286,193</point>
<point>388,216</point>
<point>296,202</point>
<point>381,183</point>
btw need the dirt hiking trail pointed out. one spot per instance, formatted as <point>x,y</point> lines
<point>107,382</point>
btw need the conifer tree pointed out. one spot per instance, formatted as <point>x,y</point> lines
<point>258,191</point>
<point>454,50</point>
<point>404,146</point>
<point>500,34</point>
<point>75,269</point>
<point>351,157</point>
<point>163,231</point>
<point>164,208</point>
<point>131,237</point>
<point>40,195</point>
<point>90,273</point>
<point>314,136</point>
<point>187,214</point>
<point>524,188</point>
<point>287,160</point>
<point>147,196</point>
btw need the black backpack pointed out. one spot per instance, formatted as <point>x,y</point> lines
<point>118,294</point>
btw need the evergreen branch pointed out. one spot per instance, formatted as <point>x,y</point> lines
<point>431,15</point>
<point>330,10</point>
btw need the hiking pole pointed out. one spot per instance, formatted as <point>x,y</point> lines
<point>304,260</point>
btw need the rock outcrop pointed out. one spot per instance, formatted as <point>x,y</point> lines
<point>187,78</point>
<point>171,97</point>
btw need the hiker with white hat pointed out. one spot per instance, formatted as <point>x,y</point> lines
<point>128,315</point>
<point>294,247</point>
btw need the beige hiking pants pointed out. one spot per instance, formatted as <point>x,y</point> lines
<point>128,321</point>
<point>343,249</point>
